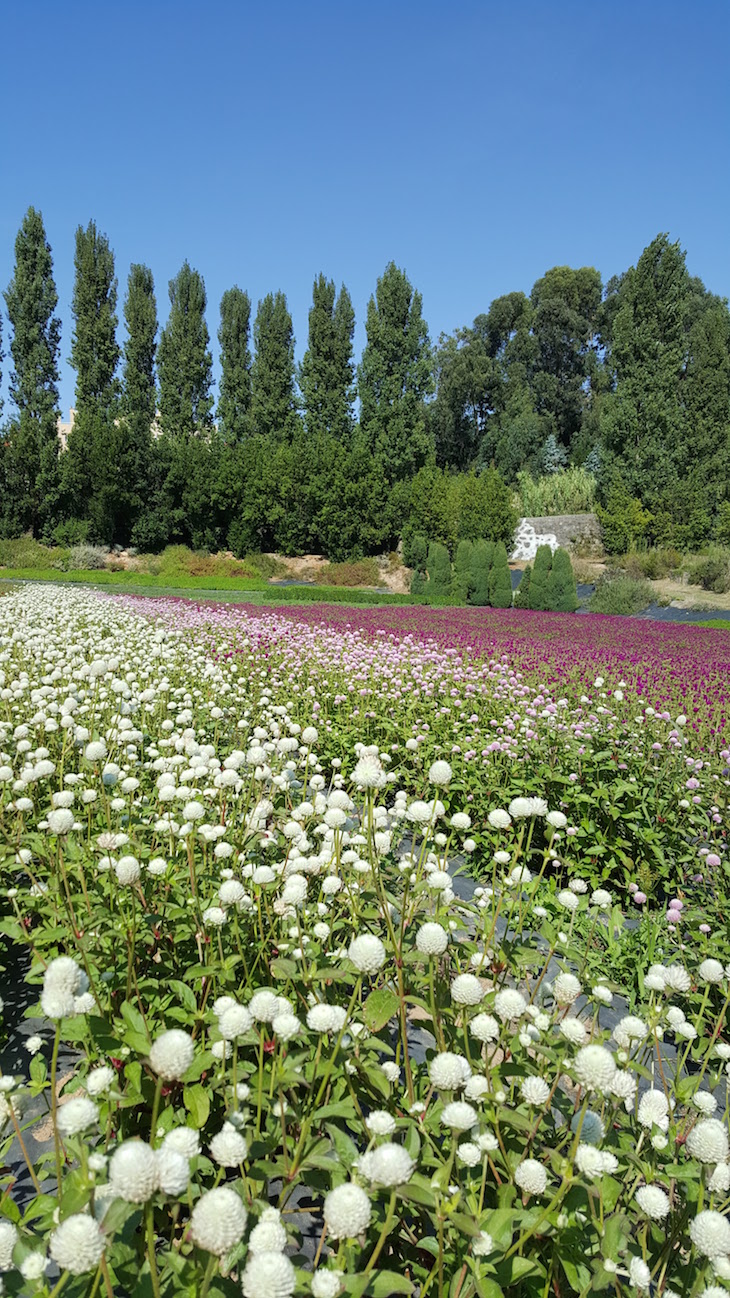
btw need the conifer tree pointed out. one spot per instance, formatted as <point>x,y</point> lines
<point>522,594</point>
<point>234,402</point>
<point>482,556</point>
<point>88,467</point>
<point>461,581</point>
<point>31,300</point>
<point>184,360</point>
<point>395,377</point>
<point>139,396</point>
<point>273,402</point>
<point>439,572</point>
<point>562,596</point>
<point>326,376</point>
<point>539,593</point>
<point>500,581</point>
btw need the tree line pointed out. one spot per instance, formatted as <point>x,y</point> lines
<point>630,379</point>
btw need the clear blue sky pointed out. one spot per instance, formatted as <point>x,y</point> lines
<point>477,144</point>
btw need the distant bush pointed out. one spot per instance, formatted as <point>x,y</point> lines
<point>619,594</point>
<point>568,491</point>
<point>75,531</point>
<point>84,558</point>
<point>452,507</point>
<point>624,521</point>
<point>439,572</point>
<point>355,572</point>
<point>522,594</point>
<point>711,571</point>
<point>482,557</point>
<point>655,562</point>
<point>24,552</point>
<point>562,596</point>
<point>500,580</point>
<point>539,594</point>
<point>461,577</point>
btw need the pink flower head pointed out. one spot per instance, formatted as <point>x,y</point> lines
<point>713,859</point>
<point>640,898</point>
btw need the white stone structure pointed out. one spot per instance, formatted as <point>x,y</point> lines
<point>527,541</point>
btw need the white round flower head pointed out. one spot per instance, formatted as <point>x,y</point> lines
<point>173,1170</point>
<point>269,1236</point>
<point>531,1176</point>
<point>484,1027</point>
<point>654,1110</point>
<point>218,1220</point>
<point>460,821</point>
<point>509,1004</point>
<point>326,1284</point>
<point>676,978</point>
<point>710,1233</point>
<point>419,812</point>
<point>60,821</point>
<point>63,981</point>
<point>214,917</point>
<point>483,1244</point>
<point>708,1142</point>
<point>628,1031</point>
<point>380,1123</point>
<point>133,1172</point>
<point>369,773</point>
<point>476,1088</point>
<point>573,1031</point>
<point>76,1115</point>
<point>100,1079</point>
<point>557,819</point>
<point>566,989</point>
<point>499,819</point>
<point>172,1054</point>
<point>234,1022</point>
<point>264,1006</point>
<point>286,1026</point>
<point>534,1090</point>
<point>367,953</point>
<point>8,1240</point>
<point>719,1182</point>
<point>268,1275</point>
<point>705,1103</point>
<point>448,1072</point>
<point>639,1274</point>
<point>653,1202</point>
<point>458,1115</point>
<point>432,939</point>
<point>184,1140</point>
<point>466,989</point>
<point>595,1069</point>
<point>710,971</point>
<point>347,1211</point>
<point>127,870</point>
<point>33,1265</point>
<point>439,773</point>
<point>521,808</point>
<point>77,1244</point>
<point>468,1153</point>
<point>326,1018</point>
<point>387,1164</point>
<point>228,1147</point>
<point>568,899</point>
<point>601,898</point>
<point>589,1161</point>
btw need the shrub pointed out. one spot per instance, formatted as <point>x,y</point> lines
<point>562,597</point>
<point>539,592</point>
<point>569,491</point>
<point>356,572</point>
<point>75,531</point>
<point>461,580</point>
<point>618,594</point>
<point>711,571</point>
<point>500,580</point>
<point>439,572</point>
<point>24,552</point>
<point>482,556</point>
<point>654,563</point>
<point>722,523</point>
<point>623,521</point>
<point>522,594</point>
<point>415,550</point>
<point>85,557</point>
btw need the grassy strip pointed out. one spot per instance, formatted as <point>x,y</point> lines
<point>131,581</point>
<point>715,624</point>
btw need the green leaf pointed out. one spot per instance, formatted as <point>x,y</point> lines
<point>380,1006</point>
<point>197,1103</point>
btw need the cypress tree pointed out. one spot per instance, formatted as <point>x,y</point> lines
<point>185,363</point>
<point>88,467</point>
<point>461,581</point>
<point>500,581</point>
<point>326,376</point>
<point>562,597</point>
<point>482,556</point>
<point>273,403</point>
<point>522,594</point>
<point>139,394</point>
<point>395,377</point>
<point>234,334</point>
<point>539,593</point>
<point>31,300</point>
<point>439,572</point>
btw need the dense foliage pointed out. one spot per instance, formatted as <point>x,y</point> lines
<point>574,394</point>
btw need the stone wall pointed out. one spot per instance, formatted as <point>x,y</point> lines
<point>566,530</point>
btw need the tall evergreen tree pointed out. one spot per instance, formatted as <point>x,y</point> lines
<point>31,300</point>
<point>273,402</point>
<point>184,361</point>
<point>235,387</point>
<point>327,375</point>
<point>88,468</point>
<point>139,393</point>
<point>395,377</point>
<point>566,305</point>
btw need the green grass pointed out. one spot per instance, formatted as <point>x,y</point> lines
<point>255,591</point>
<point>715,624</point>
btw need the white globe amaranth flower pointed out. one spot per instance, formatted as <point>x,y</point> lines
<point>172,1054</point>
<point>523,808</point>
<point>8,1239</point>
<point>534,1090</point>
<point>173,1170</point>
<point>133,1172</point>
<point>509,1004</point>
<point>568,900</point>
<point>63,981</point>
<point>461,821</point>
<point>705,1103</point>
<point>269,1236</point>
<point>653,1202</point>
<point>676,978</point>
<point>33,1265</point>
<point>387,1165</point>
<point>432,939</point>
<point>100,1079</point>
<point>327,1284</point>
<point>628,1031</point>
<point>531,1176</point>
<point>484,1027</point>
<point>574,1031</point>
<point>595,1069</point>
<point>214,917</point>
<point>719,1182</point>
<point>590,1161</point>
<point>710,971</point>
<point>448,1072</point>
<point>483,1244</point>
<point>476,1088</point>
<point>439,773</point>
<point>708,1142</point>
<point>566,988</point>
<point>264,1005</point>
<point>419,812</point>
<point>347,1211</point>
<point>653,1110</point>
<point>380,1123</point>
<point>639,1274</point>
<point>286,1026</point>
<point>710,1233</point>
<point>218,1220</point>
<point>458,1115</point>
<point>557,819</point>
<point>369,773</point>
<point>127,870</point>
<point>76,1115</point>
<point>466,989</point>
<point>184,1140</point>
<point>268,1275</point>
<point>77,1244</point>
<point>469,1153</point>
<point>367,953</point>
<point>601,898</point>
<point>228,1147</point>
<point>326,1018</point>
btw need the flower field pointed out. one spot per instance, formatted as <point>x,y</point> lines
<point>365,951</point>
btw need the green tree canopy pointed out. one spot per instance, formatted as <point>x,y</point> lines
<point>234,333</point>
<point>327,374</point>
<point>185,363</point>
<point>273,402</point>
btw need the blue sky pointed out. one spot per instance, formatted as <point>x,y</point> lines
<point>477,144</point>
